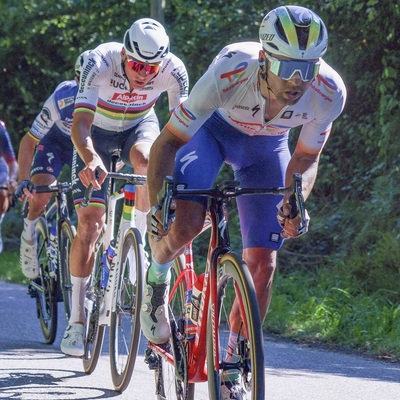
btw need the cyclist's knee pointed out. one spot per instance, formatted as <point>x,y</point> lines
<point>261,262</point>
<point>139,157</point>
<point>90,223</point>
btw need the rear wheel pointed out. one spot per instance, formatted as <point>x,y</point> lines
<point>235,286</point>
<point>67,233</point>
<point>94,333</point>
<point>173,383</point>
<point>45,286</point>
<point>125,323</point>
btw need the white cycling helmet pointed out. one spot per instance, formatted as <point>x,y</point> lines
<point>294,32</point>
<point>146,41</point>
<point>79,62</point>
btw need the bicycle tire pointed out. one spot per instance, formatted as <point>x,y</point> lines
<point>94,333</point>
<point>233,273</point>
<point>67,233</point>
<point>125,322</point>
<point>168,385</point>
<point>46,290</point>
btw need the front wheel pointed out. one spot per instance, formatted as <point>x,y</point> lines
<point>45,286</point>
<point>125,323</point>
<point>67,233</point>
<point>94,333</point>
<point>172,379</point>
<point>236,290</point>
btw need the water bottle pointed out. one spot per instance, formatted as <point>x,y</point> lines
<point>196,298</point>
<point>190,327</point>
<point>106,263</point>
<point>52,251</point>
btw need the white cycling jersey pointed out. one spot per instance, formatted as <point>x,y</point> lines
<point>104,89</point>
<point>231,86</point>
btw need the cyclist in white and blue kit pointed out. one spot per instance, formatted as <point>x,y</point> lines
<point>241,112</point>
<point>43,151</point>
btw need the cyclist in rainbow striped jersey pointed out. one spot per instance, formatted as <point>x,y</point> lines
<point>241,112</point>
<point>114,109</point>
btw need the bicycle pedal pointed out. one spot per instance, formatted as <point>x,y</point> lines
<point>31,292</point>
<point>151,359</point>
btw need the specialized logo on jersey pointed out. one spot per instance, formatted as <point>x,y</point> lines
<point>50,157</point>
<point>183,115</point>
<point>127,97</point>
<point>188,159</point>
<point>324,85</point>
<point>235,76</point>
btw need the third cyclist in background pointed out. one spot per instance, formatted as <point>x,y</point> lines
<point>241,112</point>
<point>43,151</point>
<point>8,173</point>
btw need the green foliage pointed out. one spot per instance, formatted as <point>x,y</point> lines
<point>325,307</point>
<point>9,268</point>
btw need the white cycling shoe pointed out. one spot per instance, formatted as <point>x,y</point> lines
<point>72,343</point>
<point>153,313</point>
<point>27,258</point>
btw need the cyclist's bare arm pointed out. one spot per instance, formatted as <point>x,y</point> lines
<point>307,165</point>
<point>12,175</point>
<point>83,143</point>
<point>26,152</point>
<point>161,164</point>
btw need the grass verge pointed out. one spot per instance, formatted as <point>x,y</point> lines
<point>324,307</point>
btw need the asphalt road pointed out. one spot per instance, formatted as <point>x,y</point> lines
<point>32,370</point>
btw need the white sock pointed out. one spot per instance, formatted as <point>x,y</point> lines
<point>141,224</point>
<point>78,293</point>
<point>29,229</point>
<point>232,350</point>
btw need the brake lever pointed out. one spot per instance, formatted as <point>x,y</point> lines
<point>164,198</point>
<point>25,203</point>
<point>89,190</point>
<point>296,200</point>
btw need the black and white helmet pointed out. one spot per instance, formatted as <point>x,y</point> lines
<point>146,41</point>
<point>79,62</point>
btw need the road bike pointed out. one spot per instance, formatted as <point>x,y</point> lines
<point>54,234</point>
<point>196,350</point>
<point>114,291</point>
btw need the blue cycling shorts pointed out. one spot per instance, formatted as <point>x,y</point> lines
<point>257,161</point>
<point>52,153</point>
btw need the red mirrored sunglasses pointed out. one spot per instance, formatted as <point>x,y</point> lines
<point>138,66</point>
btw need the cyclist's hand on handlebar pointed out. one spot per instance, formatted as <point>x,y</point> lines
<point>25,188</point>
<point>155,224</point>
<point>94,174</point>
<point>292,227</point>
